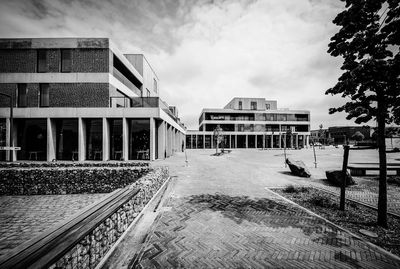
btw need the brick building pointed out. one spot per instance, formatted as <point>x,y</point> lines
<point>82,99</point>
<point>252,123</point>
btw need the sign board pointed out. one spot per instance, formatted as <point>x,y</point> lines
<point>10,148</point>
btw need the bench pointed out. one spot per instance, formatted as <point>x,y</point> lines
<point>360,169</point>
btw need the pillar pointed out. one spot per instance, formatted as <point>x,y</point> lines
<point>125,139</point>
<point>255,140</point>
<point>152,139</point>
<point>161,140</point>
<point>280,141</point>
<point>297,142</point>
<point>235,141</point>
<point>81,140</point>
<point>247,141</point>
<point>272,141</point>
<point>106,140</point>
<point>8,126</point>
<point>51,140</point>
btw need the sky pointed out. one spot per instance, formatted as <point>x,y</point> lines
<point>206,52</point>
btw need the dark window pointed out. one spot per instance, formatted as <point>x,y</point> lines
<point>22,95</point>
<point>44,95</point>
<point>267,106</point>
<point>253,105</point>
<point>66,62</point>
<point>240,105</point>
<point>41,61</point>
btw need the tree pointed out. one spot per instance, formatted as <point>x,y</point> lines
<point>321,135</point>
<point>368,41</point>
<point>218,137</point>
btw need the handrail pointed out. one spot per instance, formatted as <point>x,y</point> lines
<point>51,246</point>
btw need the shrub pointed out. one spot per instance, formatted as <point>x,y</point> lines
<point>293,189</point>
<point>322,201</point>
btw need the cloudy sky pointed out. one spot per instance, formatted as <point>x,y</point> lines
<point>206,52</point>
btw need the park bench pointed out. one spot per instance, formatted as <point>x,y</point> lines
<point>360,169</point>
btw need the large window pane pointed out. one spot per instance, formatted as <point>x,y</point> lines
<point>67,139</point>
<point>199,141</point>
<point>115,139</point>
<point>94,139</point>
<point>139,139</point>
<point>32,138</point>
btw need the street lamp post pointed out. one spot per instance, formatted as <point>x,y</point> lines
<point>11,123</point>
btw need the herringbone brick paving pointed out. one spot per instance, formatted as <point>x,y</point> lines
<point>221,231</point>
<point>24,217</point>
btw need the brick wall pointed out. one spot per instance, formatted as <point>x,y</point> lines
<point>18,61</point>
<point>79,95</point>
<point>11,89</point>
<point>90,60</point>
<point>62,94</point>
<point>25,60</point>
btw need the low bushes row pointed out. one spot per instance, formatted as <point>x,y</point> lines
<point>66,181</point>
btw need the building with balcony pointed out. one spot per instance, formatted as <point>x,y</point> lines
<point>82,99</point>
<point>252,123</point>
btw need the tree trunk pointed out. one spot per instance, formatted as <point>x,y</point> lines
<point>382,199</point>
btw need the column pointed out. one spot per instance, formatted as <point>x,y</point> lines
<point>81,140</point>
<point>152,139</point>
<point>106,140</point>
<point>297,141</point>
<point>272,141</point>
<point>263,144</point>
<point>247,141</point>
<point>51,140</point>
<point>125,139</point>
<point>161,140</point>
<point>255,140</point>
<point>235,141</point>
<point>280,141</point>
<point>204,141</point>
<point>8,126</point>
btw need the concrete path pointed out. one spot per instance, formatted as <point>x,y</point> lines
<point>218,214</point>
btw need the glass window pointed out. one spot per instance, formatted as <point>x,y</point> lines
<point>41,61</point>
<point>267,106</point>
<point>253,105</point>
<point>240,105</point>
<point>44,95</point>
<point>66,60</point>
<point>22,95</point>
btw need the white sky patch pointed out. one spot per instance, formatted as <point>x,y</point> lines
<point>207,52</point>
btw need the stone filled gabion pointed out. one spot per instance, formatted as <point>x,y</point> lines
<point>44,181</point>
<point>94,246</point>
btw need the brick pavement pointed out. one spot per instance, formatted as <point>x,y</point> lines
<point>219,215</point>
<point>222,231</point>
<point>25,217</point>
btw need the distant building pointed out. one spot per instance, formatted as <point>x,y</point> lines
<point>82,99</point>
<point>252,123</point>
<point>340,134</point>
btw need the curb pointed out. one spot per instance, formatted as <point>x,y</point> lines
<point>138,217</point>
<point>373,246</point>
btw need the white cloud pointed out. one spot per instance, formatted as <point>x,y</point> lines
<point>207,52</point>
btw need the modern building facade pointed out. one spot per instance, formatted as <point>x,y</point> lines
<point>82,99</point>
<point>340,134</point>
<point>252,123</point>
